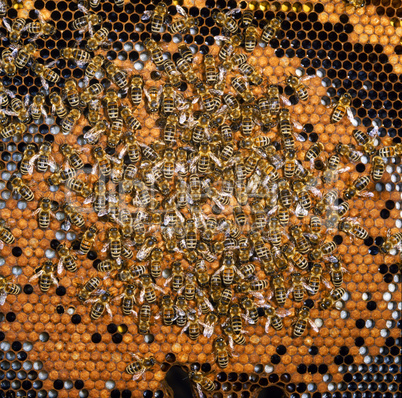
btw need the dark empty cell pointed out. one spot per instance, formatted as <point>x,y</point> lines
<point>338,360</point>
<point>301,387</point>
<point>384,213</point>
<point>393,268</point>
<point>274,43</point>
<point>28,289</point>
<point>79,384</point>
<point>373,250</point>
<point>17,251</point>
<point>16,346</point>
<point>112,328</point>
<point>26,384</point>
<point>22,356</point>
<point>10,316</point>
<point>338,239</point>
<point>279,52</point>
<point>302,369</point>
<point>117,338</point>
<point>60,290</point>
<point>305,62</point>
<point>76,319</point>
<point>312,369</point>
<point>312,35</point>
<point>60,309</point>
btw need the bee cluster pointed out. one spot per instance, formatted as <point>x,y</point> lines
<point>219,223</point>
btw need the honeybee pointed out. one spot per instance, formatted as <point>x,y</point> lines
<point>71,91</point>
<point>116,75</point>
<point>234,338</point>
<point>331,298</point>
<point>336,271</point>
<point>6,288</point>
<point>301,242</point>
<point>24,55</point>
<point>66,259</point>
<point>37,107</point>
<point>251,310</point>
<point>87,21</point>
<point>98,39</point>
<point>46,276</point>
<point>114,243</point>
<point>6,235</point>
<point>13,129</point>
<point>390,151</point>
<point>88,239</point>
<point>168,310</point>
<point>353,228</point>
<point>270,29</point>
<point>15,29</point>
<point>58,105</point>
<point>296,83</point>
<point>26,166</point>
<point>187,70</point>
<point>45,73</point>
<point>137,86</point>
<point>177,278</point>
<point>156,262</point>
<point>298,287</point>
<point>181,25</point>
<point>138,368</point>
<point>39,28</point>
<point>229,45</point>
<point>155,50</point>
<point>44,212</point>
<point>356,3</point>
<point>366,140</point>
<point>392,242</point>
<point>144,318</point>
<point>153,96</point>
<point>100,304</point>
<point>19,186</point>
<point>94,66</point>
<point>226,21</point>
<point>250,38</point>
<point>103,161</point>
<point>357,188</point>
<point>20,109</point>
<point>158,17</point>
<point>148,289</point>
<point>274,317</point>
<point>72,156</point>
<point>70,121</point>
<point>80,57</point>
<point>8,62</point>
<point>128,299</point>
<point>301,322</point>
<point>378,168</point>
<point>241,87</point>
<point>221,352</point>
<point>89,287</point>
<point>193,325</point>
<point>279,288</point>
<point>342,107</point>
<point>73,217</point>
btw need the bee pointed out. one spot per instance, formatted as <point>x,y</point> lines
<point>146,249</point>
<point>172,73</point>
<point>153,96</point>
<point>274,317</point>
<point>88,239</point>
<point>137,86</point>
<point>80,57</point>
<point>177,278</point>
<point>278,285</point>
<point>103,160</point>
<point>19,186</point>
<point>229,45</point>
<point>128,299</point>
<point>331,298</point>
<point>39,28</point>
<point>44,212</point>
<point>301,242</point>
<point>336,271</point>
<point>144,317</point>
<point>325,249</point>
<point>221,352</point>
<point>26,166</point>
<point>114,242</point>
<point>15,30</point>
<point>155,50</point>
<point>8,62</point>
<point>58,105</point>
<point>71,91</point>
<point>6,288</point>
<point>247,17</point>
<point>356,3</point>
<point>87,21</point>
<point>228,270</point>
<point>74,184</point>
<point>235,318</point>
<point>20,110</point>
<point>233,338</point>
<point>94,66</point>
<point>202,382</point>
<point>98,39</point>
<point>45,73</point>
<point>66,259</point>
<point>117,75</point>
<point>250,38</point>
<point>359,185</point>
<point>342,107</point>
<point>186,53</point>
<point>13,129</point>
<point>274,232</point>
<point>211,70</point>
<point>226,21</point>
<point>100,305</point>
<point>46,276</point>
<point>378,168</point>
<point>148,289</point>
<point>4,94</point>
<point>296,83</point>
<point>270,29</point>
<point>189,287</point>
<point>251,310</point>
<point>301,322</point>
<point>107,265</point>
<point>349,152</point>
<point>353,229</point>
<point>314,152</point>
<point>89,287</point>
<point>73,217</point>
<point>72,156</point>
<point>6,235</point>
<point>392,242</point>
<point>293,255</point>
<point>168,310</point>
<point>193,325</point>
<point>181,308</point>
<point>241,87</point>
<point>204,305</point>
<point>70,121</point>
<point>210,321</point>
<point>131,121</point>
<point>181,25</point>
<point>188,72</point>
<point>158,17</point>
<point>390,151</point>
<point>298,287</point>
<point>44,158</point>
<point>252,75</point>
<point>156,262</point>
<point>366,140</point>
<point>24,55</point>
<point>37,107</point>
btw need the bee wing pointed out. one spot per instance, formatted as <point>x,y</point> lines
<point>108,310</point>
<point>308,287</point>
<point>147,15</point>
<point>285,100</point>
<point>267,324</point>
<point>1,244</point>
<point>54,280</point>
<point>199,390</point>
<point>234,11</point>
<point>60,266</point>
<point>215,159</point>
<point>282,312</point>
<point>313,325</point>
<point>93,134</point>
<point>89,199</point>
<point>365,194</point>
<point>181,10</point>
<point>351,117</point>
<point>7,25</point>
<point>36,276</point>
<point>66,225</point>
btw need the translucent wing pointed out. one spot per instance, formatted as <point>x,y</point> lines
<point>3,296</point>
<point>181,11</point>
<point>313,325</point>
<point>60,266</point>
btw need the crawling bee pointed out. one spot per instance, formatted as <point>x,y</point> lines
<point>87,21</point>
<point>378,168</point>
<point>128,299</point>
<point>46,276</point>
<point>19,186</point>
<point>392,242</point>
<point>94,66</point>
<point>8,63</point>
<point>342,107</point>
<point>153,96</point>
<point>331,298</point>
<point>250,38</point>
<point>296,83</point>
<point>58,105</point>
<point>202,382</point>
<point>270,30</point>
<point>353,228</point>
<point>98,39</point>
<point>89,287</point>
<point>70,121</point>
<point>301,322</point>
<point>221,352</point>
<point>71,91</point>
<point>24,55</point>
<point>44,212</point>
<point>6,235</point>
<point>229,45</point>
<point>100,304</point>
<point>37,107</point>
<point>88,239</point>
<point>155,50</point>
<point>39,28</point>
<point>117,75</point>
<point>6,288</point>
<point>20,109</point>
<point>158,17</point>
<point>73,217</point>
<point>226,21</point>
<point>274,318</point>
<point>138,368</point>
<point>181,25</point>
<point>137,86</point>
<point>15,29</point>
<point>67,260</point>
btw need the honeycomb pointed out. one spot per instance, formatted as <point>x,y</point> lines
<point>63,353</point>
